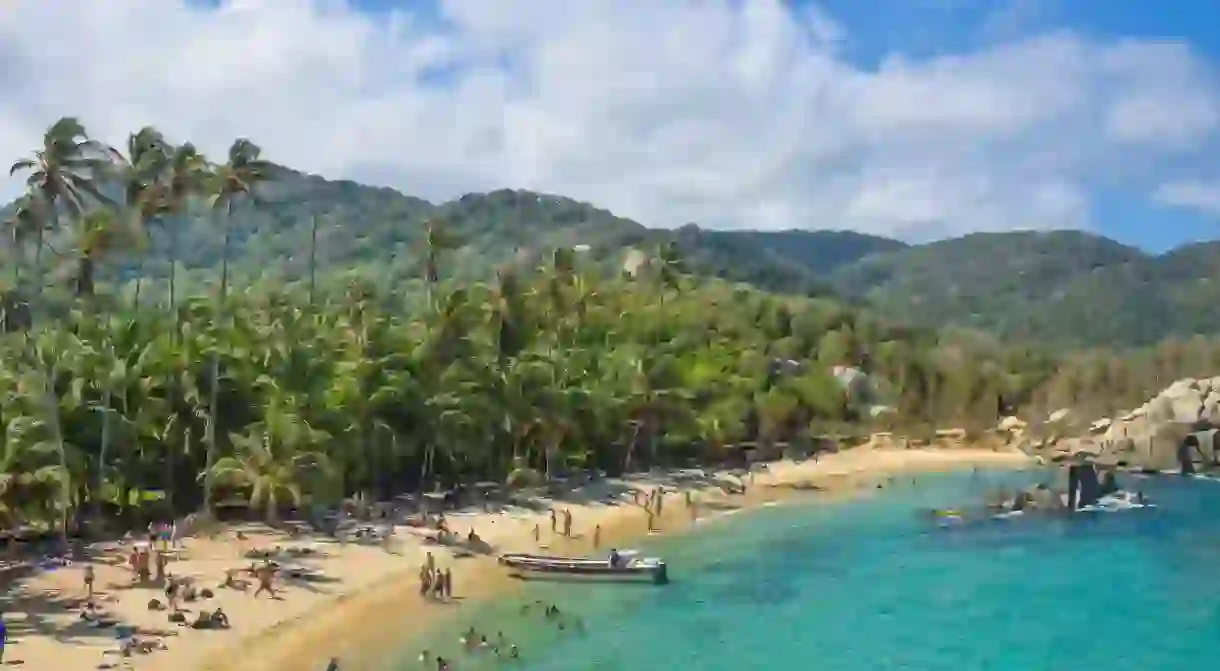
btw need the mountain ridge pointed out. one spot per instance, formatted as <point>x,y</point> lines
<point>1063,287</point>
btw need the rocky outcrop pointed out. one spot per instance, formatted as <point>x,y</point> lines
<point>1175,430</point>
<point>1086,486</point>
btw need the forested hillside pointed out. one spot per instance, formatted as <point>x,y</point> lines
<point>1069,288</point>
<point>409,375</point>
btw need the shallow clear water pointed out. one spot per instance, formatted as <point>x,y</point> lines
<point>873,585</point>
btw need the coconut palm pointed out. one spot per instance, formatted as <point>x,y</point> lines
<point>96,235</point>
<point>236,179</point>
<point>274,457</point>
<point>187,177</point>
<point>231,182</point>
<point>64,175</point>
<point>140,174</point>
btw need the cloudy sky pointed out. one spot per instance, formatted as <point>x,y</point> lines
<point>913,118</point>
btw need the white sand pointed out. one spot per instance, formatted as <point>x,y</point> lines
<point>371,595</point>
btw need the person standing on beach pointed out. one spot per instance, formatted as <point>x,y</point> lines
<point>265,573</point>
<point>447,584</point>
<point>597,535</point>
<point>537,532</point>
<point>425,581</point>
<point>3,636</point>
<point>162,562</point>
<point>438,586</point>
<point>388,538</point>
<point>171,593</point>
<point>567,523</point>
<point>554,521</point>
<point>334,664</point>
<point>89,576</point>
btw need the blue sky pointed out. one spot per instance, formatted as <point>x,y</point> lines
<point>918,29</point>
<point>914,118</point>
<point>882,27</point>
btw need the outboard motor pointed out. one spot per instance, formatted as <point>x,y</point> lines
<point>1185,461</point>
<point>1073,486</point>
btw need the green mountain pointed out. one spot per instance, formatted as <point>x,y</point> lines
<point>1063,287</point>
<point>1059,287</point>
<point>377,233</point>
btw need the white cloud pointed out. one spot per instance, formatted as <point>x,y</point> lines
<point>729,113</point>
<point>1202,196</point>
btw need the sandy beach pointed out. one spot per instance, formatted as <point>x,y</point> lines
<point>368,600</point>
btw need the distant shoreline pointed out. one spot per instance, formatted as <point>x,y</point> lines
<point>358,625</point>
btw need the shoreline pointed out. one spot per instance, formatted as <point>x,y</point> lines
<point>365,627</point>
<point>368,607</point>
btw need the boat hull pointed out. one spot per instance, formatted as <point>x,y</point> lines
<point>567,569</point>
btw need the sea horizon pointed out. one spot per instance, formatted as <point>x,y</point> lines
<point>873,583</point>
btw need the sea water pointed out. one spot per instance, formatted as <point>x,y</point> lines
<point>873,584</point>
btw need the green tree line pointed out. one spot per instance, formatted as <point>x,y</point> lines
<point>112,404</point>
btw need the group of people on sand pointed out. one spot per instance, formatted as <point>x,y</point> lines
<point>653,503</point>
<point>142,559</point>
<point>435,583</point>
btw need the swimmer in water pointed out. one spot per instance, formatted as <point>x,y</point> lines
<point>513,653</point>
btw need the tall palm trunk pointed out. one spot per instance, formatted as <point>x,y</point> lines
<point>224,254</point>
<point>101,459</point>
<point>84,277</point>
<point>39,274</point>
<point>313,259</point>
<point>214,392</point>
<point>51,407</point>
<point>135,300</point>
<point>173,274</point>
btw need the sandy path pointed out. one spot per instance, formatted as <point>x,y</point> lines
<point>370,601</point>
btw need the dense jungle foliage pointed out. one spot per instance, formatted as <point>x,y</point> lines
<point>132,381</point>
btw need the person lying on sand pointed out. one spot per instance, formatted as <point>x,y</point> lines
<point>138,645</point>
<point>211,620</point>
<point>96,617</point>
<point>233,582</point>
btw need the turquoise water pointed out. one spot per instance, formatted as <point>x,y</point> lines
<point>872,585</point>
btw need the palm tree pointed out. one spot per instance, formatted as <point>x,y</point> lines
<point>140,173</point>
<point>62,176</point>
<point>187,177</point>
<point>437,240</point>
<point>26,220</point>
<point>238,178</point>
<point>274,456</point>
